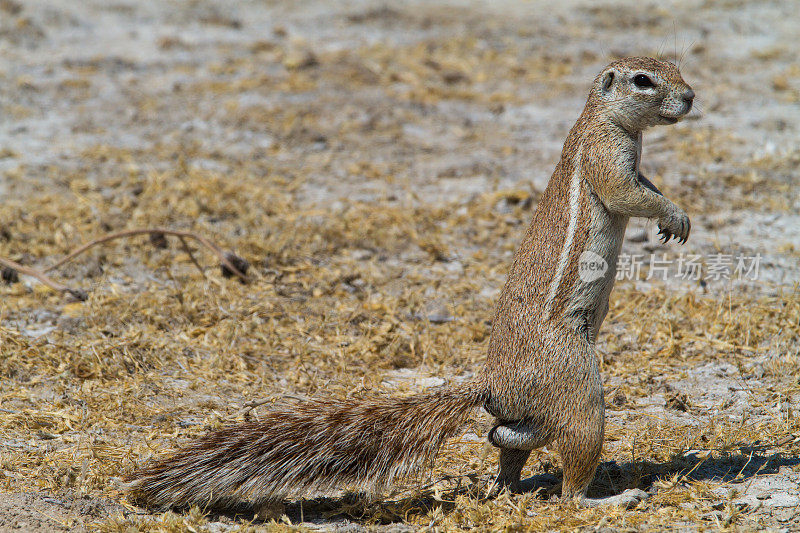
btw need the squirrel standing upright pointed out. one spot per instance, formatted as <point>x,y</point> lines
<point>541,380</point>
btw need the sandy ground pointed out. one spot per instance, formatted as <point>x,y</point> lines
<point>423,110</point>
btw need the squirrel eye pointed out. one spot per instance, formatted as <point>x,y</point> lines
<point>643,81</point>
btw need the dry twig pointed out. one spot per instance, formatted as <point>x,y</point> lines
<point>182,234</point>
<point>225,259</point>
<point>78,294</point>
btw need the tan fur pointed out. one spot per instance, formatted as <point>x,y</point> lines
<point>541,379</point>
<point>317,445</point>
<point>543,375</point>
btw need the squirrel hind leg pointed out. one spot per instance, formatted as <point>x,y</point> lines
<point>511,464</point>
<point>580,446</point>
<point>516,440</point>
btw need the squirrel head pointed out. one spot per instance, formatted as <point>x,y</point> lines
<point>639,92</point>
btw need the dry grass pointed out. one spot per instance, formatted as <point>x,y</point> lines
<point>362,248</point>
<point>160,353</point>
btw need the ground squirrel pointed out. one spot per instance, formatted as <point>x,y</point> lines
<point>541,379</point>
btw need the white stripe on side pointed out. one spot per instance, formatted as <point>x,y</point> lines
<point>574,205</point>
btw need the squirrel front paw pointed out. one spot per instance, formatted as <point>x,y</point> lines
<point>676,225</point>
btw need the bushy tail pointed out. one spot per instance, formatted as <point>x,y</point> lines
<point>316,445</point>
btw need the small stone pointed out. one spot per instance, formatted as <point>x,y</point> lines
<point>298,60</point>
<point>159,240</point>
<point>454,76</point>
<point>77,295</point>
<point>9,275</point>
<point>239,263</point>
<point>430,382</point>
<point>783,499</point>
<point>362,254</point>
<point>714,515</point>
<point>439,315</point>
<point>619,399</point>
<point>638,235</point>
<point>679,402</point>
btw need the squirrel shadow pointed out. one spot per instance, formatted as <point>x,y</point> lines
<point>696,465</point>
<point>611,478</point>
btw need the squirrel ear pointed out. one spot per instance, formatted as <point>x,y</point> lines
<point>608,79</point>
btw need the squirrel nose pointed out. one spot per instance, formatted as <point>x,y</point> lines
<point>688,98</point>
